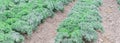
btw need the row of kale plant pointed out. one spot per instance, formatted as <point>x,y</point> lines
<point>82,23</point>
<point>23,16</point>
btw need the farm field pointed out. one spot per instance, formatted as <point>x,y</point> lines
<point>47,34</point>
<point>59,21</point>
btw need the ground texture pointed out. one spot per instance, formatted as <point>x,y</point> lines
<point>111,22</point>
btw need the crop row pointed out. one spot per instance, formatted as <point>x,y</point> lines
<point>82,23</point>
<point>23,16</point>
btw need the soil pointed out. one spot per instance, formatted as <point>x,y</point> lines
<point>111,22</point>
<point>47,31</point>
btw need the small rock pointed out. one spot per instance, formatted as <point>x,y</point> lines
<point>111,6</point>
<point>101,40</point>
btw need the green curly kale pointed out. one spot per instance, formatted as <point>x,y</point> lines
<point>22,27</point>
<point>4,27</point>
<point>3,17</point>
<point>11,37</point>
<point>118,1</point>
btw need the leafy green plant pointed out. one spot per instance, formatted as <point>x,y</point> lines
<point>11,37</point>
<point>11,20</point>
<point>17,37</point>
<point>118,1</point>
<point>4,38</point>
<point>6,28</point>
<point>5,5</point>
<point>3,17</point>
<point>22,27</point>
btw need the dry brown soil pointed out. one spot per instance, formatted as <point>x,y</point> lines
<point>111,22</point>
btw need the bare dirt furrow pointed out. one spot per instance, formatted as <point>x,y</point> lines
<point>111,22</point>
